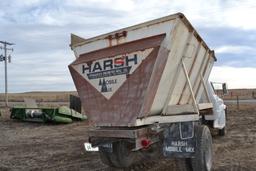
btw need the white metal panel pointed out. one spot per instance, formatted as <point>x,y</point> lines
<point>206,76</point>
<point>177,44</point>
<point>204,62</point>
<point>166,119</point>
<point>181,82</point>
<point>193,68</point>
<point>179,109</point>
<point>195,75</point>
<point>132,35</point>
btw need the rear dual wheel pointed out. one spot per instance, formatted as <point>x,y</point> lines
<point>222,131</point>
<point>121,156</point>
<point>203,153</point>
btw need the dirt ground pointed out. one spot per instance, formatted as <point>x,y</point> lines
<point>34,146</point>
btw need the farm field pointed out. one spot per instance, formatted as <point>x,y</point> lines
<point>35,146</point>
<point>47,96</point>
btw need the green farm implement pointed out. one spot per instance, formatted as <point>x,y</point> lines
<point>61,114</point>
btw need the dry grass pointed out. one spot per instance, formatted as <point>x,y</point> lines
<point>242,107</point>
<point>241,93</point>
<point>39,96</point>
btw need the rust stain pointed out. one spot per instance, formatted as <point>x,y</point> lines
<point>206,55</point>
<point>129,47</point>
<point>190,71</point>
<point>123,108</point>
<point>117,37</point>
<point>155,80</point>
<point>109,40</point>
<point>203,74</point>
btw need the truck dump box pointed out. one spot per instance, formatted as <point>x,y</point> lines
<point>152,72</point>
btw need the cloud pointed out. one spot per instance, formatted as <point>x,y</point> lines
<point>218,13</point>
<point>234,77</point>
<point>214,13</point>
<point>48,72</point>
<point>41,29</point>
<point>118,5</point>
<point>235,49</point>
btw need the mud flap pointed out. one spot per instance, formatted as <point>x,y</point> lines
<point>180,140</point>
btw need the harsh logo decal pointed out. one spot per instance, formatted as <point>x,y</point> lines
<point>110,67</point>
<point>108,74</point>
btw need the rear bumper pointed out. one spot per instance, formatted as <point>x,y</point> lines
<point>105,135</point>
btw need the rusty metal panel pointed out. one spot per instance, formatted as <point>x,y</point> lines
<point>124,103</point>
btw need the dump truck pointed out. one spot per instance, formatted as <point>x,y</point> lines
<point>146,93</point>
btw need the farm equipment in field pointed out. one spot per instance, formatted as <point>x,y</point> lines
<point>146,93</point>
<point>61,114</point>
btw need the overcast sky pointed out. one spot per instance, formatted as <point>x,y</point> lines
<point>41,31</point>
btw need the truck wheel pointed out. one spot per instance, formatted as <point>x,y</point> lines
<point>226,113</point>
<point>12,116</point>
<point>105,157</point>
<point>109,158</point>
<point>125,156</point>
<point>203,154</point>
<point>222,131</point>
<point>120,157</point>
<point>183,164</point>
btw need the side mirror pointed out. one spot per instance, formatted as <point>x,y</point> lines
<point>224,88</point>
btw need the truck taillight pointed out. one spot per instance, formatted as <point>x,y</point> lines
<point>145,143</point>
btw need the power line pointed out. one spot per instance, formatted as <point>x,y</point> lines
<point>6,58</point>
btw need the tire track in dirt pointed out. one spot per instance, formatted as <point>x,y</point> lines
<point>28,146</point>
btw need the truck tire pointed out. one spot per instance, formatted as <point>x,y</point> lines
<point>105,157</point>
<point>183,164</point>
<point>121,156</point>
<point>125,156</point>
<point>203,153</point>
<point>109,158</point>
<point>222,131</point>
<point>226,113</point>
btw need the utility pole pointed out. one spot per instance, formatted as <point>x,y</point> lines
<point>5,58</point>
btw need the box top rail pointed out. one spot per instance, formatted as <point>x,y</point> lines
<point>79,41</point>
